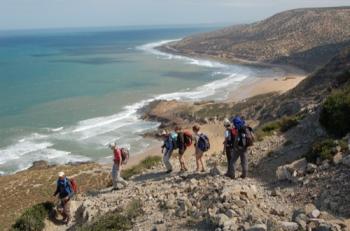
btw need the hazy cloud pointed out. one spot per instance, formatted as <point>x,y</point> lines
<point>84,13</point>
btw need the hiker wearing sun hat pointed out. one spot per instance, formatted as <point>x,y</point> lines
<point>229,135</point>
<point>117,166</point>
<point>64,190</point>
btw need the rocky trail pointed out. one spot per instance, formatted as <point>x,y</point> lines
<point>276,196</point>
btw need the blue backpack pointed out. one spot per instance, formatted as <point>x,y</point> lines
<point>238,122</point>
<point>203,143</point>
<point>173,137</point>
<point>64,187</point>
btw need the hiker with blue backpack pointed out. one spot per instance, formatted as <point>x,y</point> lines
<point>202,145</point>
<point>242,140</point>
<point>65,192</point>
<point>167,149</point>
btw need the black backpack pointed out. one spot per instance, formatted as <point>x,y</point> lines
<point>245,137</point>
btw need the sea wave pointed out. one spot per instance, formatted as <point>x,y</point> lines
<point>124,126</point>
<point>152,49</point>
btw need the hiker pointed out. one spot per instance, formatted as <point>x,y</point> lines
<point>167,150</point>
<point>198,152</point>
<point>65,192</point>
<point>229,135</point>
<point>242,141</point>
<point>117,167</point>
<point>181,146</point>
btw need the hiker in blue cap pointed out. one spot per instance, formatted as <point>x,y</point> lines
<point>243,140</point>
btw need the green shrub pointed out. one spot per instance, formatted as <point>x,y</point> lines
<point>344,145</point>
<point>287,123</point>
<point>280,125</point>
<point>335,113</point>
<point>324,149</point>
<point>117,220</point>
<point>147,163</point>
<point>134,209</point>
<point>111,221</point>
<point>33,218</point>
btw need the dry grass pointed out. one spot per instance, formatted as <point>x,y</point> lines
<point>25,189</point>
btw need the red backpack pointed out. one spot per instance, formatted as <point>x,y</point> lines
<point>188,138</point>
<point>125,155</point>
<point>74,185</point>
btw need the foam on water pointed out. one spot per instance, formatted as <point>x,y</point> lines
<point>124,127</point>
<point>152,48</point>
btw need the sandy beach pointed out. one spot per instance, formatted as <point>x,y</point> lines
<point>215,130</point>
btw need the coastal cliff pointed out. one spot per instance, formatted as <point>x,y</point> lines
<point>305,38</point>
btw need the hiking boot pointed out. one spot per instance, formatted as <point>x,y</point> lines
<point>203,170</point>
<point>114,189</point>
<point>169,171</point>
<point>67,221</point>
<point>243,176</point>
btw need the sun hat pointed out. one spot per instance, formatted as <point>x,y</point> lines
<point>227,122</point>
<point>61,174</point>
<point>112,145</point>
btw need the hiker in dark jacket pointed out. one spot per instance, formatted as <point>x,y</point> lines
<point>228,144</point>
<point>64,190</point>
<point>167,150</point>
<point>182,147</point>
<point>239,150</point>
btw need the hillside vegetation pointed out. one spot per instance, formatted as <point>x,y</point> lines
<point>305,38</point>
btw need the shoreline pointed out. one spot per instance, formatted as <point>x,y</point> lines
<point>233,60</point>
<point>250,87</point>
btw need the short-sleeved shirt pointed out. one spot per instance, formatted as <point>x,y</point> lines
<point>196,140</point>
<point>227,134</point>
<point>117,155</point>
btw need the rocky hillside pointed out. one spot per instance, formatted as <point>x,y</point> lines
<point>306,38</point>
<point>209,201</point>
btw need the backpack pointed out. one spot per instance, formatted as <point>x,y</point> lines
<point>245,137</point>
<point>233,134</point>
<point>67,186</point>
<point>188,138</point>
<point>74,185</point>
<point>125,155</point>
<point>173,137</point>
<point>203,143</point>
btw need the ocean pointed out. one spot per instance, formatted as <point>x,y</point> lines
<point>66,94</point>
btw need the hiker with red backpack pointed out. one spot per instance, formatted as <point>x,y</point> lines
<point>120,158</point>
<point>167,150</point>
<point>230,134</point>
<point>182,144</point>
<point>65,191</point>
<point>242,141</point>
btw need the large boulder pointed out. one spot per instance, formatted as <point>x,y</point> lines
<point>288,226</point>
<point>346,160</point>
<point>291,171</point>
<point>40,164</point>
<point>259,227</point>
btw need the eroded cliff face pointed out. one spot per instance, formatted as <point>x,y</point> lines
<point>306,38</point>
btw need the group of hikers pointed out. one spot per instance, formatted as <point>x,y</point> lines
<point>238,137</point>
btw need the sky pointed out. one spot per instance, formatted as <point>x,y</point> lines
<point>35,14</point>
